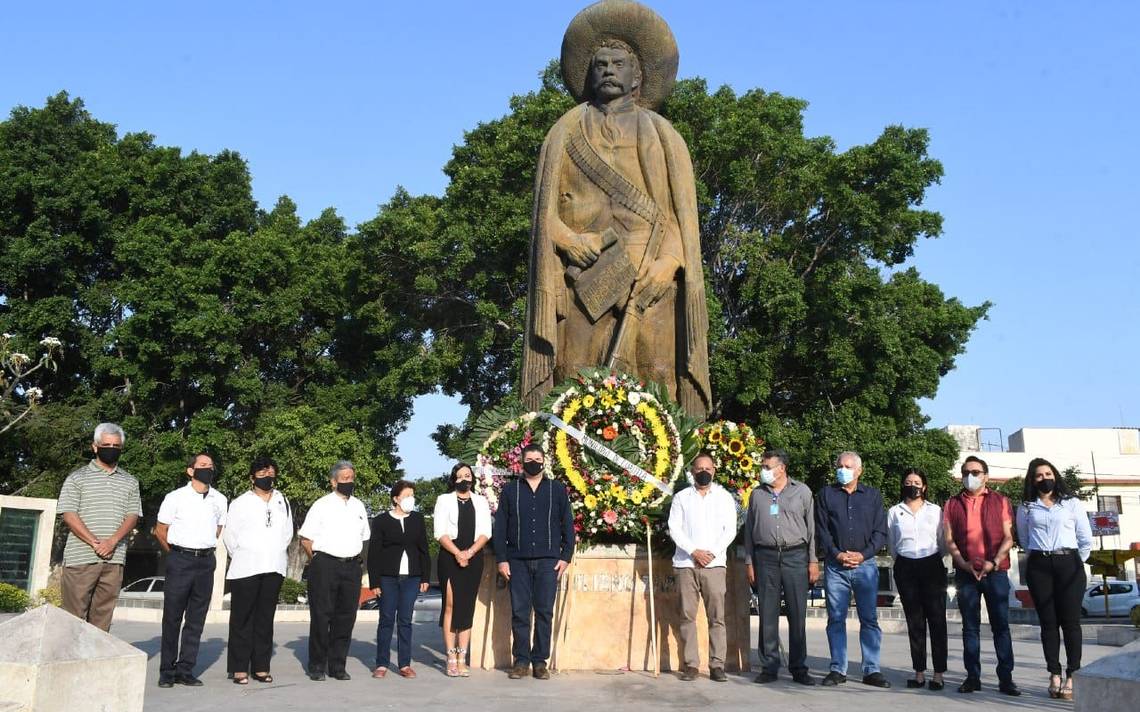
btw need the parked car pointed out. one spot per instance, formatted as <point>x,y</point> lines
<point>149,588</point>
<point>1123,597</point>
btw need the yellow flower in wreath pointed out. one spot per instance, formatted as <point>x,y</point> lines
<point>588,401</point>
<point>736,446</point>
<point>716,436</point>
<point>636,497</point>
<point>617,492</point>
<point>591,502</point>
<point>746,464</point>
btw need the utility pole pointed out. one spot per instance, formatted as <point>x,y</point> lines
<point>1104,577</point>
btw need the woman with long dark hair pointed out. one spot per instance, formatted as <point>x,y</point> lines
<point>914,528</point>
<point>462,526</point>
<point>1053,527</point>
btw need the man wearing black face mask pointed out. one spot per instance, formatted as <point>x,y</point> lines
<point>333,536</point>
<point>533,538</point>
<point>100,505</point>
<point>189,522</point>
<point>702,523</point>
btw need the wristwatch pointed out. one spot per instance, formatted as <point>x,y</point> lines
<point>995,563</point>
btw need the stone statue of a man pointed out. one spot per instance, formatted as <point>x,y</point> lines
<point>615,260</point>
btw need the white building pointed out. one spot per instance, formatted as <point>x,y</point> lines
<point>1107,458</point>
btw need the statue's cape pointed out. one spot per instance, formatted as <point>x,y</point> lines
<point>547,296</point>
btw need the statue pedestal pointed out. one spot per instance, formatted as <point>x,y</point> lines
<point>601,615</point>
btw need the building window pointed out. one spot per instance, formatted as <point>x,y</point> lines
<point>1108,504</point>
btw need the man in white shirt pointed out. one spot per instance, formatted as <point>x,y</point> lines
<point>189,522</point>
<point>702,523</point>
<point>333,536</point>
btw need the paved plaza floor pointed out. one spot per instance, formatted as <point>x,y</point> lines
<point>578,691</point>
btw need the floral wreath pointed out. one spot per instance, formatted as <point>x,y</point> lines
<point>736,451</point>
<point>499,455</point>
<point>631,419</point>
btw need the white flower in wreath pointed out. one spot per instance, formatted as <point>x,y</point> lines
<point>634,398</point>
<point>731,426</point>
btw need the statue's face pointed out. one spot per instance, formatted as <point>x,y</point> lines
<point>613,73</point>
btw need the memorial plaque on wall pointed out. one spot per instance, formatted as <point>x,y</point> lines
<point>17,545</point>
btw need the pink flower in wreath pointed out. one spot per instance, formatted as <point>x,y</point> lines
<point>610,517</point>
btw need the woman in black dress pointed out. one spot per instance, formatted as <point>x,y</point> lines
<point>462,526</point>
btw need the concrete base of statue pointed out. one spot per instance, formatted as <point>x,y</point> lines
<point>602,615</point>
<point>50,661</point>
<point>1109,683</point>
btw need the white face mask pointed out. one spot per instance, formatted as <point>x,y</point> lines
<point>973,483</point>
<point>767,476</point>
<point>844,475</point>
<point>408,504</point>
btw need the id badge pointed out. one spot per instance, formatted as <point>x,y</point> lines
<point>774,508</point>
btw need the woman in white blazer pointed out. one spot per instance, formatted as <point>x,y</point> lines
<point>462,521</point>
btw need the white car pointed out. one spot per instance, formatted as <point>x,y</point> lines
<point>1123,596</point>
<point>149,588</point>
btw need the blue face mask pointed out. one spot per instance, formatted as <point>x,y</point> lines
<point>844,475</point>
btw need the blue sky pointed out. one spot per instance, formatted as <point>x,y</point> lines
<point>1032,108</point>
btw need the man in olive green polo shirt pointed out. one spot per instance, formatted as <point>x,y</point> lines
<point>100,505</point>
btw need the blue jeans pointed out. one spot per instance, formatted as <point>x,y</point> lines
<point>397,594</point>
<point>839,584</point>
<point>994,587</point>
<point>533,587</point>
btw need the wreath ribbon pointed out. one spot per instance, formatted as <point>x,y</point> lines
<point>605,452</point>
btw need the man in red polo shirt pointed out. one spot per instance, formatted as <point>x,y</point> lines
<point>978,524</point>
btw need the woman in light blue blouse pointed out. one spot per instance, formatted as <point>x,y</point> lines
<point>1054,528</point>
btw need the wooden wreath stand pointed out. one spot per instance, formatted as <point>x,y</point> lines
<point>602,614</point>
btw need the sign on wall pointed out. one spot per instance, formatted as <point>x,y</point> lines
<point>1104,523</point>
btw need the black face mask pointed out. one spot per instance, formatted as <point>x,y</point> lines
<point>1045,486</point>
<point>346,488</point>
<point>463,486</point>
<point>533,468</point>
<point>205,475</point>
<point>264,483</point>
<point>912,492</point>
<point>109,455</point>
<point>703,478</point>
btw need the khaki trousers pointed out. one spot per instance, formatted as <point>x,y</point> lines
<point>707,585</point>
<point>91,591</point>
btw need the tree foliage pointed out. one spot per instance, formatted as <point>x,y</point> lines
<point>192,317</point>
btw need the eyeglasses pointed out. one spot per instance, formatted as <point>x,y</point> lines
<point>976,473</point>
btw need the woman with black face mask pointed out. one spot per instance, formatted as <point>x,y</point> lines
<point>1053,527</point>
<point>257,535</point>
<point>914,528</point>
<point>462,522</point>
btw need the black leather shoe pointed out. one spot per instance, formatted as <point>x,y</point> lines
<point>166,682</point>
<point>970,684</point>
<point>833,678</point>
<point>342,675</point>
<point>188,680</point>
<point>765,678</point>
<point>804,678</point>
<point>914,684</point>
<point>934,686</point>
<point>717,675</point>
<point>689,674</point>
<point>876,679</point>
<point>1008,688</point>
<point>518,672</point>
<point>540,672</point>
<point>317,676</point>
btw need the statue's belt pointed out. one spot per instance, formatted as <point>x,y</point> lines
<point>588,442</point>
<point>607,282</point>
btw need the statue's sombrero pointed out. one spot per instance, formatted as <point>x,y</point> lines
<point>632,23</point>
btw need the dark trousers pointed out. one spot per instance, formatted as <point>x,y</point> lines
<point>397,600</point>
<point>1057,584</point>
<point>922,588</point>
<point>994,587</point>
<point>253,601</point>
<point>533,587</point>
<point>185,599</point>
<point>334,596</point>
<point>782,574</point>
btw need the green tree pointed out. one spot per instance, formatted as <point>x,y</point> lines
<point>821,335</point>
<point>1014,487</point>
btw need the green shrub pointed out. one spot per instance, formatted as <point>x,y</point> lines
<point>12,599</point>
<point>290,589</point>
<point>50,595</point>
